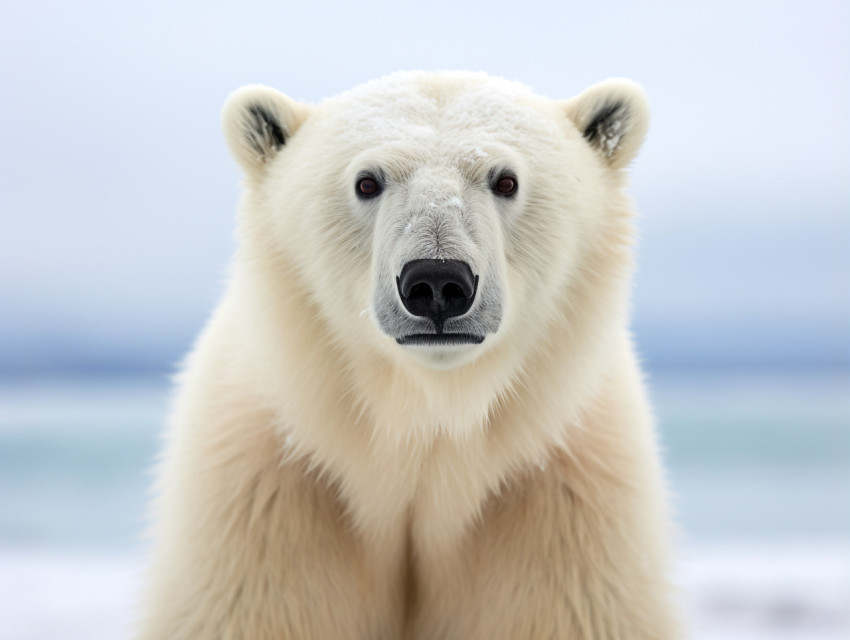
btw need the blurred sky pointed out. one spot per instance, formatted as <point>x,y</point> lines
<point>117,194</point>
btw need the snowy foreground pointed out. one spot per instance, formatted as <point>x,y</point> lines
<point>731,592</point>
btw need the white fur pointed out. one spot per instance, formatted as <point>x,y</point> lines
<point>321,481</point>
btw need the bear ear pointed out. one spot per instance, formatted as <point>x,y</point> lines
<point>613,116</point>
<point>257,122</point>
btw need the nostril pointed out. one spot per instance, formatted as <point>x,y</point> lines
<point>453,291</point>
<point>421,290</point>
<point>420,301</point>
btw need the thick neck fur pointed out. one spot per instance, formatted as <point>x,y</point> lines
<point>376,427</point>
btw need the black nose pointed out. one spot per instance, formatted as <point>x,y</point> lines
<point>437,289</point>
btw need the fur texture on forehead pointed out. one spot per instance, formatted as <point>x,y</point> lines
<point>413,106</point>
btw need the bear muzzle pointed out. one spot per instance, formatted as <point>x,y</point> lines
<point>437,290</point>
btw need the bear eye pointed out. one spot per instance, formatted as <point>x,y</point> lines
<point>505,184</point>
<point>368,187</point>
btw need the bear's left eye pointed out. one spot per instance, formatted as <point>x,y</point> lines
<point>368,187</point>
<point>505,184</point>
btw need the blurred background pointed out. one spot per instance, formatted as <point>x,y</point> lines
<point>117,198</point>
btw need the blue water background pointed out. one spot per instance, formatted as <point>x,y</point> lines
<point>750,455</point>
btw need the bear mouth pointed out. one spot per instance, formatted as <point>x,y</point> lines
<point>440,339</point>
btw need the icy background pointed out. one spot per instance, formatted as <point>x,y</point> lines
<point>116,212</point>
<point>117,193</point>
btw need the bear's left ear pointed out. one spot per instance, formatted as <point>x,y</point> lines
<point>613,116</point>
<point>257,123</point>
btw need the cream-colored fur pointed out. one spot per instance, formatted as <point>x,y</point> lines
<point>322,481</point>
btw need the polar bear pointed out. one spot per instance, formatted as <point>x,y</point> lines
<point>417,412</point>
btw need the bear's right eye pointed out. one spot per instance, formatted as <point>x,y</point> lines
<point>368,187</point>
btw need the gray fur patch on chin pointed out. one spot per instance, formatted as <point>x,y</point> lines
<point>607,127</point>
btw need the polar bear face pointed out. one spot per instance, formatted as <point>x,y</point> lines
<point>434,217</point>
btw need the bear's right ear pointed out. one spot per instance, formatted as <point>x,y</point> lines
<point>257,122</point>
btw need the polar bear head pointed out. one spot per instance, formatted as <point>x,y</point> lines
<point>435,218</point>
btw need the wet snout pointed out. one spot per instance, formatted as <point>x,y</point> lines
<point>437,289</point>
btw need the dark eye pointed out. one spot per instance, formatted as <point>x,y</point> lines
<point>505,185</point>
<point>368,187</point>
